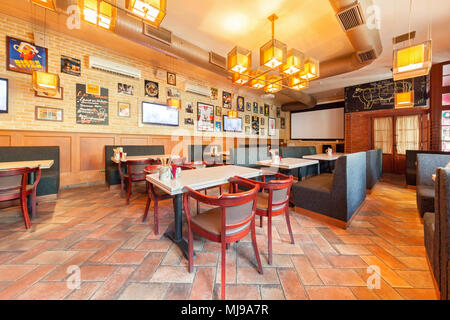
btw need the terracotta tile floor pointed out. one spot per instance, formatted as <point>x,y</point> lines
<point>121,258</point>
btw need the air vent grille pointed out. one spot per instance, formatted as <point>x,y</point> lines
<point>351,17</point>
<point>365,56</point>
<point>160,34</point>
<point>217,60</point>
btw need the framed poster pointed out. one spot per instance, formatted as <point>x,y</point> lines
<point>240,104</point>
<point>247,119</point>
<point>226,99</point>
<point>171,78</point>
<point>255,125</point>
<point>261,109</point>
<point>218,111</point>
<point>23,56</point>
<point>3,95</point>
<point>247,130</point>
<point>214,94</point>
<point>189,108</point>
<point>282,123</point>
<point>272,127</point>
<point>71,66</point>
<point>127,89</point>
<point>278,112</point>
<point>151,89</point>
<point>189,121</point>
<point>58,96</point>
<point>262,121</point>
<point>124,109</point>
<point>173,93</point>
<point>266,110</point>
<point>49,114</point>
<point>249,106</point>
<point>218,126</point>
<point>205,117</point>
<point>91,108</point>
<point>255,107</point>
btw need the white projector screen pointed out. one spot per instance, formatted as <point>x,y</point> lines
<point>325,124</point>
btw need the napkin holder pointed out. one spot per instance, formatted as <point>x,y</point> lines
<point>275,156</point>
<point>330,152</point>
<point>165,173</point>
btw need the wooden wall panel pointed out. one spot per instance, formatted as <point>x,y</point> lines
<point>5,140</point>
<point>135,141</point>
<point>92,152</point>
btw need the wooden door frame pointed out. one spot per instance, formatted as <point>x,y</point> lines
<point>436,91</point>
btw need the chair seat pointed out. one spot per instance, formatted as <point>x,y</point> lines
<point>210,221</point>
<point>262,203</point>
<point>160,194</point>
<point>16,192</point>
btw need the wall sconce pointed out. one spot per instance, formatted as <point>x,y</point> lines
<point>46,82</point>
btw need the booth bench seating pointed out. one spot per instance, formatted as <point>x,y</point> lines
<point>299,152</point>
<point>247,157</point>
<point>112,176</point>
<point>335,195</point>
<point>411,164</point>
<point>50,178</point>
<point>196,152</point>
<point>374,167</point>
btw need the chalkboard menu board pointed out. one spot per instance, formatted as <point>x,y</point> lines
<point>91,108</point>
<point>381,94</point>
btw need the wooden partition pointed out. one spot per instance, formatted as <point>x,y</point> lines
<point>83,154</point>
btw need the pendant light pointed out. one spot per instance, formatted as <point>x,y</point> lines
<point>152,11</point>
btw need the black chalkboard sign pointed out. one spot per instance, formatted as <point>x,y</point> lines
<point>381,94</point>
<point>92,108</point>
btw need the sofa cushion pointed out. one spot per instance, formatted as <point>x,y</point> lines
<point>314,194</point>
<point>425,199</point>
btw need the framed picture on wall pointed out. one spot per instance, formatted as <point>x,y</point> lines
<point>189,121</point>
<point>189,108</point>
<point>218,111</point>
<point>247,130</point>
<point>25,57</point>
<point>282,123</point>
<point>226,100</point>
<point>171,78</point>
<point>272,127</point>
<point>255,107</point>
<point>266,110</point>
<point>262,121</point>
<point>255,125</point>
<point>3,95</point>
<point>240,104</point>
<point>249,106</point>
<point>247,119</point>
<point>124,109</point>
<point>218,126</point>
<point>278,112</point>
<point>151,89</point>
<point>71,66</point>
<point>214,94</point>
<point>205,117</point>
<point>49,114</point>
<point>261,110</point>
<point>58,96</point>
<point>127,89</point>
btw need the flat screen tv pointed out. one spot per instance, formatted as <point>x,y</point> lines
<point>232,124</point>
<point>153,113</point>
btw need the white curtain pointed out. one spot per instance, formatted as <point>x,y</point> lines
<point>407,131</point>
<point>382,131</point>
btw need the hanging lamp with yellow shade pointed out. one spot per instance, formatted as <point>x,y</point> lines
<point>100,13</point>
<point>273,53</point>
<point>239,60</point>
<point>412,61</point>
<point>240,78</point>
<point>404,99</point>
<point>311,70</point>
<point>48,4</point>
<point>273,84</point>
<point>297,83</point>
<point>152,11</point>
<point>295,62</point>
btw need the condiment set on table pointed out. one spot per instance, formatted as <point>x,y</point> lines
<point>167,171</point>
<point>119,155</point>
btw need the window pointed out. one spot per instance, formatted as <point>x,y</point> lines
<point>382,130</point>
<point>408,133</point>
<point>445,131</point>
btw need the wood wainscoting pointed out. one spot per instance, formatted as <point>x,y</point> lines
<point>82,155</point>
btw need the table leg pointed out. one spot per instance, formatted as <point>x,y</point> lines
<point>318,168</point>
<point>175,230</point>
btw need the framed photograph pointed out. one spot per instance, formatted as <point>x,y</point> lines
<point>247,119</point>
<point>124,109</point>
<point>283,123</point>
<point>58,96</point>
<point>247,130</point>
<point>255,107</point>
<point>173,93</point>
<point>240,104</point>
<point>25,57</point>
<point>71,66</point>
<point>272,127</point>
<point>189,107</point>
<point>255,125</point>
<point>205,117</point>
<point>262,121</point>
<point>248,106</point>
<point>278,112</point>
<point>262,132</point>
<point>171,78</point>
<point>218,126</point>
<point>4,95</point>
<point>218,111</point>
<point>127,89</point>
<point>151,89</point>
<point>226,99</point>
<point>261,109</point>
<point>49,114</point>
<point>214,94</point>
<point>266,110</point>
<point>189,121</point>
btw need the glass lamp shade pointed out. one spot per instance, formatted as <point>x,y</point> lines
<point>46,82</point>
<point>311,70</point>
<point>99,13</point>
<point>258,82</point>
<point>297,83</point>
<point>174,103</point>
<point>404,99</point>
<point>48,4</point>
<point>413,61</point>
<point>239,60</point>
<point>239,78</point>
<point>295,62</point>
<point>273,54</point>
<point>152,11</point>
<point>273,85</point>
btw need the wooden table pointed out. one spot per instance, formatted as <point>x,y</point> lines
<point>196,179</point>
<point>44,164</point>
<point>152,157</point>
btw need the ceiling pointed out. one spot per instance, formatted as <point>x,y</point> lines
<point>310,26</point>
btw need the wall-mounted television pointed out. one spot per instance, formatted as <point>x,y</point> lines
<point>3,95</point>
<point>154,113</point>
<point>232,124</point>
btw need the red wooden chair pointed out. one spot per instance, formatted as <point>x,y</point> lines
<point>13,185</point>
<point>156,194</point>
<point>231,220</point>
<point>274,202</point>
<point>135,173</point>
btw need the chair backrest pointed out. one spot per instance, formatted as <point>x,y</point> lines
<point>426,167</point>
<point>136,167</point>
<point>13,180</point>
<point>279,190</point>
<point>196,152</point>
<point>349,182</point>
<point>441,245</point>
<point>237,208</point>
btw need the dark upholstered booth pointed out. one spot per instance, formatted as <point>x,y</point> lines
<point>196,152</point>
<point>248,157</point>
<point>340,147</point>
<point>436,233</point>
<point>411,164</point>
<point>299,152</point>
<point>373,165</point>
<point>426,167</point>
<point>336,195</point>
<point>49,183</point>
<point>112,175</point>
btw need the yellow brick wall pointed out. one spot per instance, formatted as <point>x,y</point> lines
<point>22,100</point>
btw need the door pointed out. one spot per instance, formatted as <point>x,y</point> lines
<point>383,131</point>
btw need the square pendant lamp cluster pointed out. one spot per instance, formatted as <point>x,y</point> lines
<point>279,67</point>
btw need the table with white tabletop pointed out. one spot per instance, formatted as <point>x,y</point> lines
<point>195,179</point>
<point>288,163</point>
<point>325,157</point>
<point>145,157</point>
